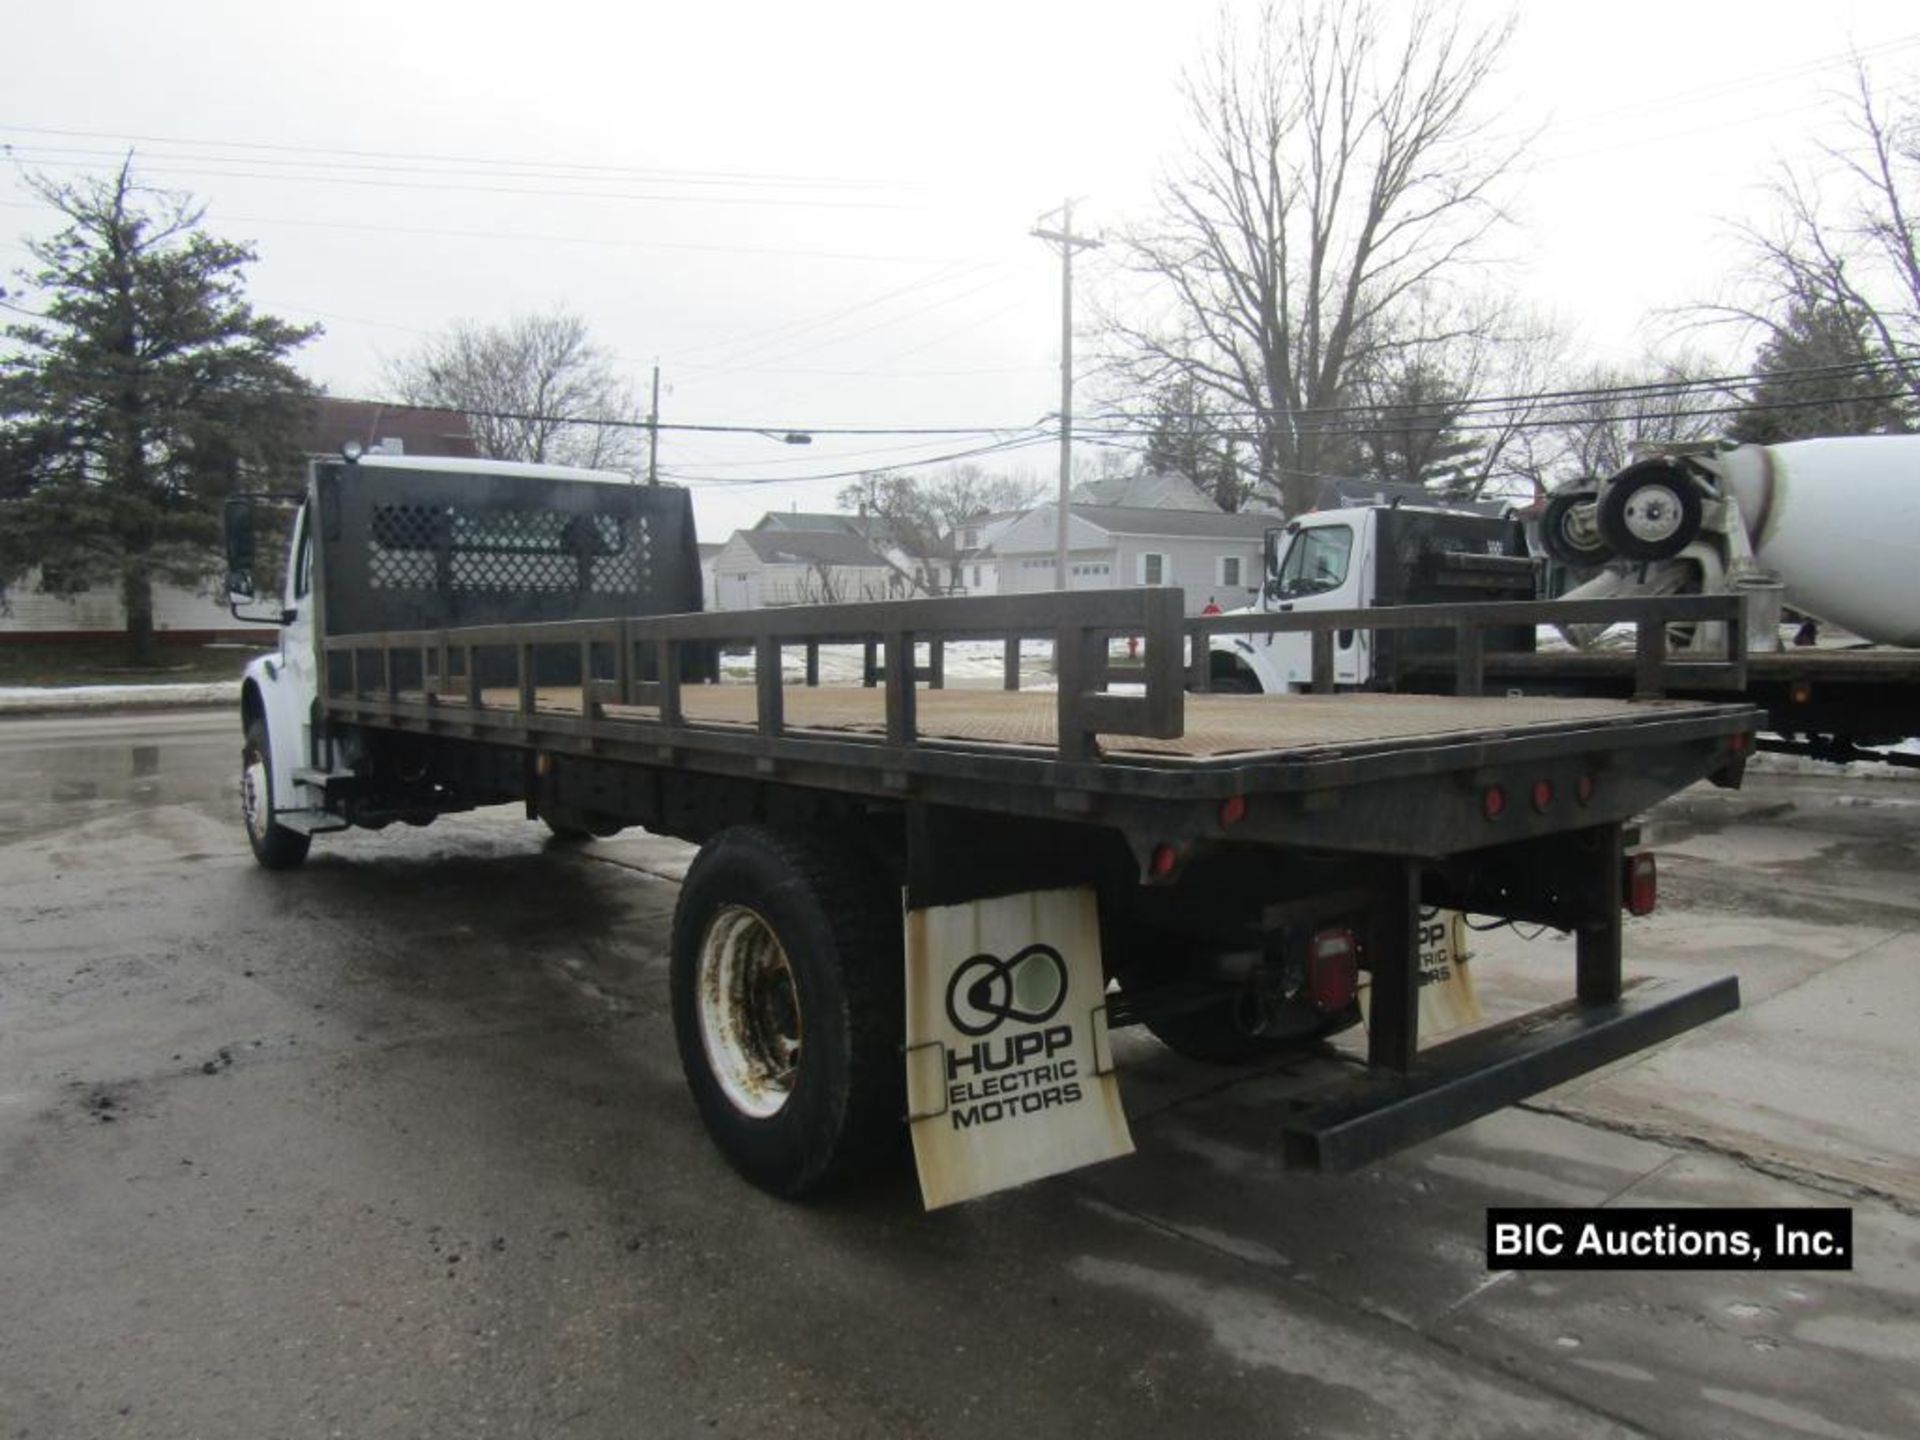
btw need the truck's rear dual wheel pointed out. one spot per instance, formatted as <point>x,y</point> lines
<point>788,1007</point>
<point>274,846</point>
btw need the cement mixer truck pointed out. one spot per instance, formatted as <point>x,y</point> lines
<point>1828,529</point>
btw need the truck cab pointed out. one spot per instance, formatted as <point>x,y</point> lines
<point>1358,557</point>
<point>379,543</point>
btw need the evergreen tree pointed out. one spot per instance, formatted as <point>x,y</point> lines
<point>1186,438</point>
<point>139,391</point>
<point>1814,379</point>
<point>1408,431</point>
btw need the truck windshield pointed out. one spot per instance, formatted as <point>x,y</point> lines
<point>1316,561</point>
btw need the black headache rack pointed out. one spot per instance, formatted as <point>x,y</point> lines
<point>405,548</point>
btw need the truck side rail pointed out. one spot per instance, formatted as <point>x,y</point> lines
<point>1654,673</point>
<point>639,661</point>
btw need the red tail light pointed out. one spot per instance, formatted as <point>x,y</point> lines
<point>1642,885</point>
<point>1333,971</point>
<point>1493,803</point>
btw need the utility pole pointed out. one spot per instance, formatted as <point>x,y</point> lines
<point>653,432</point>
<point>1068,242</point>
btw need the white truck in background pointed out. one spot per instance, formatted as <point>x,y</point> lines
<point>1828,527</point>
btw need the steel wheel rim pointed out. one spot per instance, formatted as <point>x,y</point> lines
<point>1578,530</point>
<point>1653,515</point>
<point>749,1012</point>
<point>253,792</point>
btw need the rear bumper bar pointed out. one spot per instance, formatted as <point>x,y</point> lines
<point>1480,1073</point>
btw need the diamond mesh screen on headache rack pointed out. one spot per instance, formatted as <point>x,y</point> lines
<point>404,549</point>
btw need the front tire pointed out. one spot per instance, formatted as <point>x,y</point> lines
<point>274,846</point>
<point>789,1007</point>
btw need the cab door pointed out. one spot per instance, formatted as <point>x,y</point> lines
<point>1324,568</point>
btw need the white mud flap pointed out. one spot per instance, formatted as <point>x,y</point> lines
<point>1447,998</point>
<point>1009,1073</point>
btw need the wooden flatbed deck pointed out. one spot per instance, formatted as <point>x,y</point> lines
<point>1217,726</point>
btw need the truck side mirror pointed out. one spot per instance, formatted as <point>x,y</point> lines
<point>237,518</point>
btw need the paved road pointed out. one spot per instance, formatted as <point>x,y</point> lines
<point>395,1145</point>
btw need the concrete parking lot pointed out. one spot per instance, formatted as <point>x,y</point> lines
<point>396,1145</point>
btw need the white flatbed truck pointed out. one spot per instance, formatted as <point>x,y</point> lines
<point>919,909</point>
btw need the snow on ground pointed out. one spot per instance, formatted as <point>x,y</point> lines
<point>1765,763</point>
<point>20,699</point>
<point>969,663</point>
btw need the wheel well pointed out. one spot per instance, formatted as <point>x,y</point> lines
<point>252,705</point>
<point>1224,665</point>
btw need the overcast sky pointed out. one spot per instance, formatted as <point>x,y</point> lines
<point>817,215</point>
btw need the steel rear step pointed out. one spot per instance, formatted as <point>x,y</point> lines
<point>1479,1073</point>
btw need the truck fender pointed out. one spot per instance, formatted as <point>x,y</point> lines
<point>265,694</point>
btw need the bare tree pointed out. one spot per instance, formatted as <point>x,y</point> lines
<point>1340,169</point>
<point>536,388</point>
<point>1447,411</point>
<point>962,490</point>
<point>1616,412</point>
<point>1851,263</point>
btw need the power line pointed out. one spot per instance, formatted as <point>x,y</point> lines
<point>1558,399</point>
<point>1359,426</point>
<point>1001,447</point>
<point>530,238</point>
<point>684,176</point>
<point>544,193</point>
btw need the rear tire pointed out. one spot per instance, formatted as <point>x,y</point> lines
<point>575,827</point>
<point>274,846</point>
<point>789,1007</point>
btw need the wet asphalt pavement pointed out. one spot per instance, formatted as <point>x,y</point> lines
<point>396,1145</point>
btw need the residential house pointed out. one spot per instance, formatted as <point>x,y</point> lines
<point>1213,556</point>
<point>709,552</point>
<point>802,566</point>
<point>975,570</point>
<point>1147,490</point>
<point>926,561</point>
<point>387,429</point>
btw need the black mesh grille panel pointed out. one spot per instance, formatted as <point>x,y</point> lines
<point>467,550</point>
<point>408,549</point>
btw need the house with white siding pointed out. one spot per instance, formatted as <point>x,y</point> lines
<point>1213,556</point>
<point>762,567</point>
